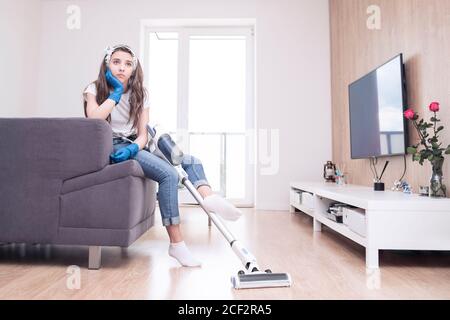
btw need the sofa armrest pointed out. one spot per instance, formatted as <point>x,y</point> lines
<point>109,173</point>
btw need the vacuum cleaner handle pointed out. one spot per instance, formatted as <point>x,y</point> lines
<point>151,131</point>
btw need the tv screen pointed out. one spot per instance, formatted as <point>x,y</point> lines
<point>377,102</point>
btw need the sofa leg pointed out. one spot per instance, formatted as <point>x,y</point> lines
<point>95,257</point>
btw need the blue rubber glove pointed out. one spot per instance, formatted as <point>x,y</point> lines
<point>116,84</point>
<point>125,153</point>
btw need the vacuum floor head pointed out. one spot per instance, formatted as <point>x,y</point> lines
<point>261,280</point>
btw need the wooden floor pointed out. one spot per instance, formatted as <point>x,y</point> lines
<point>322,265</point>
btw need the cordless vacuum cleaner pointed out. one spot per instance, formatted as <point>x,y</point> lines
<point>252,277</point>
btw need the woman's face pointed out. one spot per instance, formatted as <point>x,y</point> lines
<point>121,65</point>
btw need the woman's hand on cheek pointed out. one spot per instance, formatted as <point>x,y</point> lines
<point>116,84</point>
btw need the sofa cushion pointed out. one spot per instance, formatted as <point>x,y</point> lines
<point>109,173</point>
<point>118,204</point>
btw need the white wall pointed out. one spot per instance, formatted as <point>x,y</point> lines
<point>293,92</point>
<point>19,56</point>
<point>292,70</point>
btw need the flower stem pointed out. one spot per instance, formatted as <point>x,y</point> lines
<point>435,118</point>
<point>422,138</point>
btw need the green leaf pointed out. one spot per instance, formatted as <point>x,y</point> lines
<point>430,157</point>
<point>437,153</point>
<point>434,145</point>
<point>433,119</point>
<point>411,150</point>
<point>416,157</point>
<point>440,128</point>
<point>447,151</point>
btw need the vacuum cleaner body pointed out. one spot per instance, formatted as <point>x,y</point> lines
<point>251,277</point>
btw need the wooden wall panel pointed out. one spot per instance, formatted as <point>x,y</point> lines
<point>420,29</point>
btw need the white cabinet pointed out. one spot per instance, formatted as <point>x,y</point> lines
<point>381,220</point>
<point>295,197</point>
<point>355,220</point>
<point>301,200</point>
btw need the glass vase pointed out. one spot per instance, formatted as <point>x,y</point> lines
<point>437,187</point>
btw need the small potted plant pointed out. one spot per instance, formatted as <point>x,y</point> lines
<point>432,149</point>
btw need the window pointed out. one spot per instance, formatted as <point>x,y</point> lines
<point>200,82</point>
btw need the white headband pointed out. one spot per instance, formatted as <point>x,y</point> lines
<point>109,51</point>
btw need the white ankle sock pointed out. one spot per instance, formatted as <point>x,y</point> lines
<point>181,252</point>
<point>222,207</point>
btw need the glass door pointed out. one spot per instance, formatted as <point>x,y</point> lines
<point>200,83</point>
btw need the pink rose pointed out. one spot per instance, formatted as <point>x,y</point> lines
<point>409,114</point>
<point>434,106</point>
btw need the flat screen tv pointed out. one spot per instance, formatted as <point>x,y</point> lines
<point>377,102</point>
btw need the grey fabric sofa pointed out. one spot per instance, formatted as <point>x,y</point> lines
<point>57,186</point>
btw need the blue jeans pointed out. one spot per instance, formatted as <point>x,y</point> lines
<point>166,176</point>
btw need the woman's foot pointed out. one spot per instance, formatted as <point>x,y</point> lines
<point>181,252</point>
<point>222,207</point>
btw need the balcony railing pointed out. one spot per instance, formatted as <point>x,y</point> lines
<point>223,154</point>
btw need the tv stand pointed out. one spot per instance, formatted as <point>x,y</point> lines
<point>392,220</point>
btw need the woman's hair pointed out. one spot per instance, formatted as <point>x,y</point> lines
<point>138,93</point>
